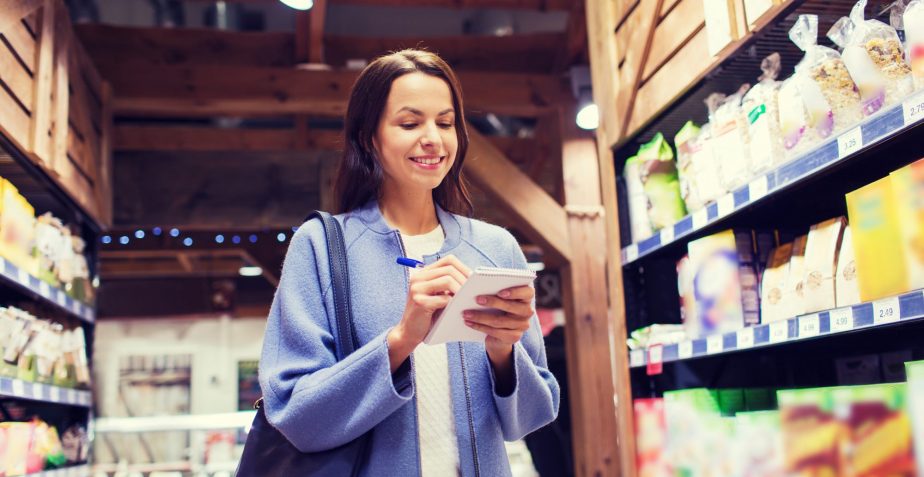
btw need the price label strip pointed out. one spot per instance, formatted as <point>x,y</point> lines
<point>54,394</point>
<point>700,218</point>
<point>745,338</point>
<point>632,253</point>
<point>809,326</point>
<point>757,189</point>
<point>779,331</point>
<point>667,235</point>
<point>44,289</point>
<point>22,277</point>
<point>913,109</point>
<point>19,388</point>
<point>714,344</point>
<point>886,311</point>
<point>849,142</point>
<point>726,204</point>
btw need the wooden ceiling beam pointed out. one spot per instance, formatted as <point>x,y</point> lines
<point>202,46</point>
<point>14,11</point>
<point>541,5</point>
<point>142,89</point>
<point>531,209</point>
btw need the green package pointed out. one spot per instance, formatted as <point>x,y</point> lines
<point>661,183</point>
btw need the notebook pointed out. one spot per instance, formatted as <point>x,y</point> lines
<point>450,326</point>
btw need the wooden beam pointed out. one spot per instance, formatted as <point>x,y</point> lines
<point>189,138</point>
<point>522,53</point>
<point>603,67</point>
<point>44,83</point>
<point>14,11</point>
<point>143,89</point>
<point>61,84</point>
<point>316,31</point>
<point>533,211</point>
<point>641,28</point>
<point>574,49</point>
<point>541,5</point>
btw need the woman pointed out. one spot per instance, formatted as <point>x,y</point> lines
<point>433,410</point>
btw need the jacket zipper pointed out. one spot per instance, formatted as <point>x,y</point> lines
<point>407,287</point>
<point>468,406</point>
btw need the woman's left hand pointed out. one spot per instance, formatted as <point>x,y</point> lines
<point>503,329</point>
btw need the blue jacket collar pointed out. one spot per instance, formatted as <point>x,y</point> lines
<point>372,217</point>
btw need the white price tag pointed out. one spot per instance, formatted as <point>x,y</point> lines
<point>714,344</point>
<point>636,358</point>
<point>685,349</point>
<point>700,218</point>
<point>913,109</point>
<point>19,388</point>
<point>44,289</point>
<point>886,310</point>
<point>631,253</point>
<point>22,277</point>
<point>60,298</point>
<point>841,319</point>
<point>726,204</point>
<point>667,235</point>
<point>745,338</point>
<point>849,142</point>
<point>656,354</point>
<point>809,326</point>
<point>54,394</point>
<point>757,189</point>
<point>72,396</point>
<point>779,331</point>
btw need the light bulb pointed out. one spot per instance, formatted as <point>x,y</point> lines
<point>298,4</point>
<point>588,117</point>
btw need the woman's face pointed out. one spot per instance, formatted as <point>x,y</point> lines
<point>416,138</point>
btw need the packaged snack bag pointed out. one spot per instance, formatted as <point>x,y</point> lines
<point>913,20</point>
<point>659,179</point>
<point>638,202</point>
<point>761,109</point>
<point>827,89</point>
<point>875,59</point>
<point>687,144</point>
<point>730,139</point>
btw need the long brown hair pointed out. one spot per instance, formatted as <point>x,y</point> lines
<point>360,175</point>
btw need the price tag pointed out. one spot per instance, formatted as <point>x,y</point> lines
<point>745,338</point>
<point>809,326</point>
<point>54,394</point>
<point>849,142</point>
<point>841,320</point>
<point>685,349</point>
<point>667,235</point>
<point>655,360</point>
<point>19,389</point>
<point>779,331</point>
<point>22,277</point>
<point>44,289</point>
<point>886,310</point>
<point>60,298</point>
<point>757,189</point>
<point>636,358</point>
<point>700,218</point>
<point>726,204</point>
<point>631,253</point>
<point>72,396</point>
<point>913,109</point>
<point>714,344</point>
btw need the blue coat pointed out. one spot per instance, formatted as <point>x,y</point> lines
<point>319,403</point>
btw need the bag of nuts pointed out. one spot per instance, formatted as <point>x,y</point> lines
<point>874,57</point>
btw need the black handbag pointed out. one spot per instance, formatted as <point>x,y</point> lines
<point>267,453</point>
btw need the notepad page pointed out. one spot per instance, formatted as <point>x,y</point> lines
<point>450,326</point>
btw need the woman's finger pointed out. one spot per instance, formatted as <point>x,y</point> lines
<point>513,307</point>
<point>504,322</point>
<point>524,293</point>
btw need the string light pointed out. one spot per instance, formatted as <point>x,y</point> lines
<point>123,240</point>
<point>107,239</point>
<point>281,237</point>
<point>157,231</point>
<point>253,238</point>
<point>188,241</point>
<point>236,239</point>
<point>174,233</point>
<point>139,234</point>
<point>219,238</point>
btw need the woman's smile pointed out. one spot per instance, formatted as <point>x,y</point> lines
<point>428,162</point>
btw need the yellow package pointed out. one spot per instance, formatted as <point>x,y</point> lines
<point>908,189</point>
<point>881,269</point>
<point>17,227</point>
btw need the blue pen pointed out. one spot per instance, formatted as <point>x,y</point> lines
<point>410,262</point>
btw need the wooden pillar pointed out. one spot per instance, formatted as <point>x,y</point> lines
<point>44,84</point>
<point>589,326</point>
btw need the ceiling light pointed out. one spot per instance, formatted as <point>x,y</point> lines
<point>298,4</point>
<point>588,117</point>
<point>250,271</point>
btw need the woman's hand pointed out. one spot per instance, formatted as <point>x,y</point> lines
<point>503,329</point>
<point>430,290</point>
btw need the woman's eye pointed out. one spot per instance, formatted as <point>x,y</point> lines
<point>409,126</point>
<point>446,125</point>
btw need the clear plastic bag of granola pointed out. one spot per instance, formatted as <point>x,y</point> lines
<point>913,24</point>
<point>761,112</point>
<point>730,140</point>
<point>875,58</point>
<point>828,91</point>
<point>795,131</point>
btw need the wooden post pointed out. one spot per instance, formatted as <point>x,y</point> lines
<point>61,85</point>
<point>589,325</point>
<point>44,83</point>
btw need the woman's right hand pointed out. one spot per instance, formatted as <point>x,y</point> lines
<point>430,290</point>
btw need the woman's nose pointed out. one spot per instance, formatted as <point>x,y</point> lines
<point>430,136</point>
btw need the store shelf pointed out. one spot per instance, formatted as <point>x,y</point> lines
<point>44,392</point>
<point>849,145</point>
<point>871,315</point>
<point>185,422</point>
<point>21,279</point>
<point>76,471</point>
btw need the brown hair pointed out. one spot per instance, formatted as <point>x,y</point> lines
<point>360,175</point>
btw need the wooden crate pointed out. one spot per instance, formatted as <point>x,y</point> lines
<point>53,104</point>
